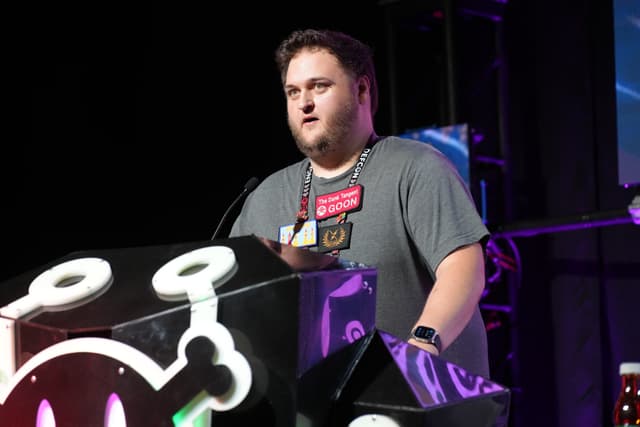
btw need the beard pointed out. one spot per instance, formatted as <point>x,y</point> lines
<point>337,127</point>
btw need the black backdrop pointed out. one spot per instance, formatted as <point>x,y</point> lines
<point>135,125</point>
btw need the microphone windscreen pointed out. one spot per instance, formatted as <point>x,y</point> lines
<point>251,184</point>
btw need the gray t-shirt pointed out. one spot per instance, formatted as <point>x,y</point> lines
<point>415,210</point>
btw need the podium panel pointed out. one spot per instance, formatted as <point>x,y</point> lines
<point>231,332</point>
<point>411,387</point>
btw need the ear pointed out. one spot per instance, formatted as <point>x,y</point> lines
<point>363,88</point>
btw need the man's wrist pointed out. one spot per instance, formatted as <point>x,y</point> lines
<point>427,335</point>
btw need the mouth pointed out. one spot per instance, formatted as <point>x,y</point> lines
<point>309,120</point>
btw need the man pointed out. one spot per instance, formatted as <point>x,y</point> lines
<point>395,204</point>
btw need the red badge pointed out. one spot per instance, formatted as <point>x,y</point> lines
<point>332,204</point>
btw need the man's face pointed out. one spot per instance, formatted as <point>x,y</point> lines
<point>321,102</point>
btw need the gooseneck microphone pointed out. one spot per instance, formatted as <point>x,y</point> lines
<point>248,188</point>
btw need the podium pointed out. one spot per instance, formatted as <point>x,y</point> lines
<point>231,332</point>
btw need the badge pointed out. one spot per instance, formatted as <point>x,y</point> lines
<point>332,204</point>
<point>299,234</point>
<point>334,237</point>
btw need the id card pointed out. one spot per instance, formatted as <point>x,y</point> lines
<point>299,235</point>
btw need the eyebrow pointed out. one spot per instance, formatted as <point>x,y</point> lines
<point>311,80</point>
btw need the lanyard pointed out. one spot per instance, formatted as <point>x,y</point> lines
<point>303,213</point>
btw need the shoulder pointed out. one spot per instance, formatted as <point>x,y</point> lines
<point>395,146</point>
<point>412,154</point>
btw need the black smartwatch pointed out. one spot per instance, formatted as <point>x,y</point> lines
<point>427,335</point>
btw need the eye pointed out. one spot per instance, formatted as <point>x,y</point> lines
<point>292,93</point>
<point>320,86</point>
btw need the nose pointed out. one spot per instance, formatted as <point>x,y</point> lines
<point>306,105</point>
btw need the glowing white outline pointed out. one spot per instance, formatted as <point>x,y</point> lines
<point>155,376</point>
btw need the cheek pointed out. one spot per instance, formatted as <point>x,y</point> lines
<point>291,114</point>
<point>326,104</point>
<point>337,100</point>
<point>292,109</point>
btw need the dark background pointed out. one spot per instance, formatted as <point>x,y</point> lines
<point>139,125</point>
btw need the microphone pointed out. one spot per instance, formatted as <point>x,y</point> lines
<point>248,188</point>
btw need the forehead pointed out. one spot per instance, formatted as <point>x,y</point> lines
<point>313,64</point>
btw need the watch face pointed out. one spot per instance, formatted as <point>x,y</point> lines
<point>424,332</point>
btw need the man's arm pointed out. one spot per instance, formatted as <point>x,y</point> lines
<point>456,292</point>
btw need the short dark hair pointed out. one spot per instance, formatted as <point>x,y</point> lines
<point>354,55</point>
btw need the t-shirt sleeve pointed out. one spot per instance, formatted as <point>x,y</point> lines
<point>441,212</point>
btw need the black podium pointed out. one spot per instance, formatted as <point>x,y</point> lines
<point>230,332</point>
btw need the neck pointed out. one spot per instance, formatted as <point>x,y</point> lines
<point>333,164</point>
